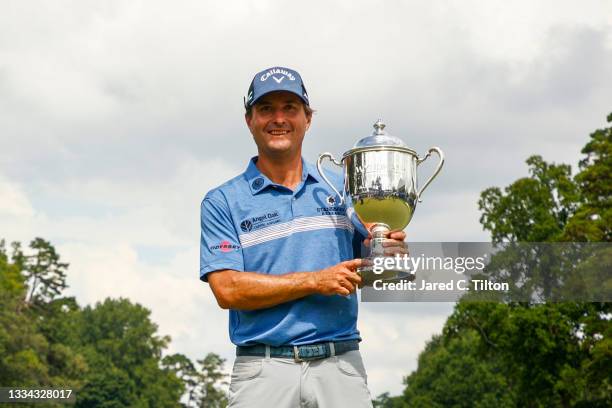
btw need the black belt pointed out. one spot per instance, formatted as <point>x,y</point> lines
<point>300,353</point>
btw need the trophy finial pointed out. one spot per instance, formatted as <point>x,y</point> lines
<point>378,127</point>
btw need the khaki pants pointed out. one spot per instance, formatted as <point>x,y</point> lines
<point>334,382</point>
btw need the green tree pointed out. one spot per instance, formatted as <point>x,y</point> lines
<point>21,347</point>
<point>210,378</point>
<point>532,209</point>
<point>593,218</point>
<point>123,348</point>
<point>110,354</point>
<point>532,355</point>
<point>452,373</point>
<point>184,369</point>
<point>385,400</point>
<point>203,381</point>
<point>27,356</point>
<point>44,273</point>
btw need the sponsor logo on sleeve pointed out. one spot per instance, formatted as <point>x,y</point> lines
<point>224,246</point>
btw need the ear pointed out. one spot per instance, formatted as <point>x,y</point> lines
<point>308,121</point>
<point>248,120</point>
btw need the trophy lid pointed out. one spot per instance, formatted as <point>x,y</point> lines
<point>380,138</point>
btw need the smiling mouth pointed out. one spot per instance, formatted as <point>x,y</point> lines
<point>278,132</point>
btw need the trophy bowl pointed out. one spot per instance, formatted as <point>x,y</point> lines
<point>380,181</point>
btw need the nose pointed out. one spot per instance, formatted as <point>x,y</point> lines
<point>279,116</point>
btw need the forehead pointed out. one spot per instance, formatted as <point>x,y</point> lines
<point>279,97</point>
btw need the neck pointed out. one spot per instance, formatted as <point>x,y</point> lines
<point>286,171</point>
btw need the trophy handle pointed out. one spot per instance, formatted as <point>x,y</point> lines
<point>320,168</point>
<point>438,168</point>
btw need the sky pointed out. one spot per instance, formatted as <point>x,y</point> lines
<point>116,118</point>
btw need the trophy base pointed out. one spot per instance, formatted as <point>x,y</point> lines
<point>368,276</point>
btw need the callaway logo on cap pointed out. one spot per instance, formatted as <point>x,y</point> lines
<point>275,79</point>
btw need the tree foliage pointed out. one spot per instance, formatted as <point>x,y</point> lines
<point>526,354</point>
<point>109,353</point>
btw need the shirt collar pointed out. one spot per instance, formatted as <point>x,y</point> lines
<point>258,181</point>
<point>310,170</point>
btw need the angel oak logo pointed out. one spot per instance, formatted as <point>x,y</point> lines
<point>246,226</point>
<point>259,221</point>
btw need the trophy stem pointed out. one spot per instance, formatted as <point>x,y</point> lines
<point>379,231</point>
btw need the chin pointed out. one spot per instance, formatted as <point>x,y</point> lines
<point>279,147</point>
<point>279,150</point>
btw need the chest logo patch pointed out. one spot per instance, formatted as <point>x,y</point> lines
<point>333,207</point>
<point>257,183</point>
<point>246,226</point>
<point>260,221</point>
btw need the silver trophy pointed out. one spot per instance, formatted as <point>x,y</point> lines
<point>380,177</point>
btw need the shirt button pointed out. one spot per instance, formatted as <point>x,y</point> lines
<point>294,198</point>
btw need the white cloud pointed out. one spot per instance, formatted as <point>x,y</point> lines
<point>394,335</point>
<point>13,202</point>
<point>181,305</point>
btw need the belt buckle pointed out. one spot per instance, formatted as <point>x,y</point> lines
<point>296,354</point>
<point>298,359</point>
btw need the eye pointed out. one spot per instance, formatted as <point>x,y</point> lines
<point>291,108</point>
<point>265,108</point>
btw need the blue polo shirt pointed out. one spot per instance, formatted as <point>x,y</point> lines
<point>252,224</point>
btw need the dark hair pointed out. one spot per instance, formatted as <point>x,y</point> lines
<point>307,109</point>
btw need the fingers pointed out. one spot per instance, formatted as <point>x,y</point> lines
<point>397,235</point>
<point>392,251</point>
<point>393,247</point>
<point>340,279</point>
<point>349,279</point>
<point>347,286</point>
<point>353,264</point>
<point>354,278</point>
<point>393,243</point>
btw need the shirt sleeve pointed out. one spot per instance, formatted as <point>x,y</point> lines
<point>219,244</point>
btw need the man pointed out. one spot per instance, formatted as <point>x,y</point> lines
<point>277,249</point>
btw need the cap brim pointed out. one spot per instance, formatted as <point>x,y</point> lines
<point>254,101</point>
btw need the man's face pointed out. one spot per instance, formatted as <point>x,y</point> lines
<point>278,123</point>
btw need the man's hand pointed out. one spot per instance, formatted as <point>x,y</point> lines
<point>341,279</point>
<point>393,244</point>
